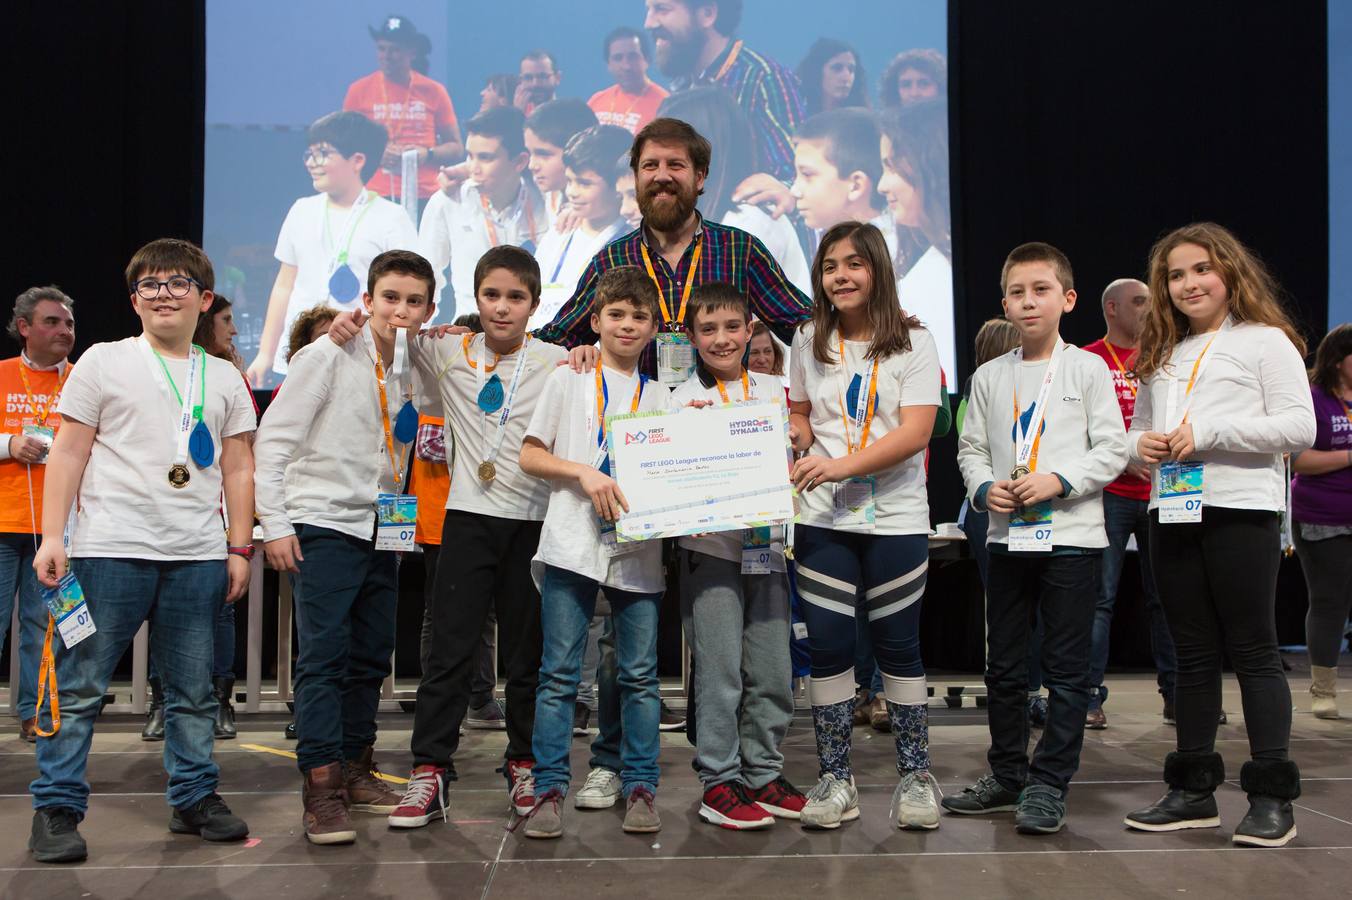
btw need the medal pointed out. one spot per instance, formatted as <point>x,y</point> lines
<point>179,476</point>
<point>343,284</point>
<point>487,471</point>
<point>406,423</point>
<point>200,445</point>
<point>1019,472</point>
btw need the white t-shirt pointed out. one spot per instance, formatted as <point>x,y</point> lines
<point>926,292</point>
<point>565,423</point>
<point>728,544</point>
<point>904,379</point>
<point>779,237</point>
<point>126,506</point>
<point>563,256</point>
<point>512,494</point>
<point>313,245</point>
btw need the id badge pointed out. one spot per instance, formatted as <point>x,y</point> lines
<point>1030,529</point>
<point>66,602</point>
<point>601,461</point>
<point>396,521</point>
<point>610,541</point>
<point>756,551</point>
<point>675,358</point>
<point>43,433</point>
<point>1180,492</point>
<point>852,503</point>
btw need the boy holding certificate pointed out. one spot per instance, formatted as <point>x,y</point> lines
<point>735,604</point>
<point>566,444</point>
<point>332,515</point>
<point>154,431</point>
<point>1043,437</point>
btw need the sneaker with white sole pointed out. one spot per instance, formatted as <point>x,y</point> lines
<point>425,797</point>
<point>914,804</point>
<point>521,785</point>
<point>601,790</point>
<point>490,716</point>
<point>544,821</point>
<point>833,800</point>
<point>728,806</point>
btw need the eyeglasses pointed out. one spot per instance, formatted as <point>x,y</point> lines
<point>179,287</point>
<point>319,155</point>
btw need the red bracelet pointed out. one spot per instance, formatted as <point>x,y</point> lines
<point>246,552</point>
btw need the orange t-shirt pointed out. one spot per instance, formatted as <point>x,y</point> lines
<point>430,483</point>
<point>21,408</point>
<point>412,114</point>
<point>629,111</point>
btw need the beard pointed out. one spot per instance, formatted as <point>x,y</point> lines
<point>672,211</point>
<point>681,54</point>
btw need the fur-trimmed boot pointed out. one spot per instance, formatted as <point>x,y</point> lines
<point>1190,801</point>
<point>1271,785</point>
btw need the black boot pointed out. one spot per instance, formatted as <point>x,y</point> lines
<point>221,688</point>
<point>1190,802</point>
<point>154,730</point>
<point>1271,785</point>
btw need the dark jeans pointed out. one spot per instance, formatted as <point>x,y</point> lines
<point>1123,517</point>
<point>1059,589</point>
<point>975,526</point>
<point>491,570</point>
<point>1327,565</point>
<point>345,607</point>
<point>18,581</point>
<point>483,677</point>
<point>1218,581</point>
<point>222,645</point>
<point>179,598</point>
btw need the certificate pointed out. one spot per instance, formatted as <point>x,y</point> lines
<point>697,471</point>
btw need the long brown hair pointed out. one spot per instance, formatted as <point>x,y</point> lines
<point>204,335</point>
<point>1253,293</point>
<point>891,328</point>
<point>1333,349</point>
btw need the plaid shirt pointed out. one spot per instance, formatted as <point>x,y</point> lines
<point>729,254</point>
<point>768,93</point>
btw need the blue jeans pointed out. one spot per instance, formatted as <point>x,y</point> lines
<point>222,645</point>
<point>567,603</point>
<point>1123,517</point>
<point>345,599</point>
<point>180,600</point>
<point>605,747</point>
<point>16,577</point>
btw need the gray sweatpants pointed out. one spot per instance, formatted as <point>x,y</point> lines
<point>737,627</point>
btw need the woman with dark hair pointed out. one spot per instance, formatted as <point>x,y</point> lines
<point>215,332</point>
<point>831,77</point>
<point>913,76</point>
<point>1321,508</point>
<point>715,114</point>
<point>498,91</point>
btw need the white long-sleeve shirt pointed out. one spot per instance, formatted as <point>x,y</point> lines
<point>1084,440</point>
<point>1250,404</point>
<point>320,456</point>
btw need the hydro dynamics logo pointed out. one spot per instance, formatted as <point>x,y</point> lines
<point>750,426</point>
<point>650,436</point>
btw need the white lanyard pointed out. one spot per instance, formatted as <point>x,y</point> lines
<point>196,362</point>
<point>1025,439</point>
<point>1173,417</point>
<point>867,379</point>
<point>506,412</point>
<point>339,251</point>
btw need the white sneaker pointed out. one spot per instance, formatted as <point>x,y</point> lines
<point>832,801</point>
<point>599,791</point>
<point>913,802</point>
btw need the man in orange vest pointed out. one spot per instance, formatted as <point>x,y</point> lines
<point>44,326</point>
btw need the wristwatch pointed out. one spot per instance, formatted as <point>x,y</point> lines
<point>246,552</point>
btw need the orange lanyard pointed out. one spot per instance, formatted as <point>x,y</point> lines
<point>870,407</point>
<point>464,347</point>
<point>1192,379</point>
<point>1037,438</point>
<point>689,281</point>
<point>1131,382</point>
<point>385,99</point>
<point>1347,410</point>
<point>42,412</point>
<point>727,63</point>
<point>396,469</point>
<point>47,679</point>
<point>492,229</point>
<point>603,400</point>
<point>746,387</point>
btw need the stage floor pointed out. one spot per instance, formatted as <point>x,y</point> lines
<point>132,854</point>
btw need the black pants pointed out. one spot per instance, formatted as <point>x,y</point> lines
<point>1218,582</point>
<point>485,563</point>
<point>1062,591</point>
<point>483,676</point>
<point>1328,576</point>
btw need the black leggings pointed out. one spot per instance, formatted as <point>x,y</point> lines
<point>1218,584</point>
<point>1328,575</point>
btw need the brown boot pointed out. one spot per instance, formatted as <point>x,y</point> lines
<point>28,730</point>
<point>326,820</point>
<point>366,791</point>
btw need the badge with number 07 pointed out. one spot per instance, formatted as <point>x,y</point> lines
<point>397,521</point>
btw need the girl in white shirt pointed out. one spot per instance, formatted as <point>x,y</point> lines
<point>863,393</point>
<point>1223,396</point>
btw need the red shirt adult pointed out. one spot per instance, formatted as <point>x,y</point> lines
<point>1120,362</point>
<point>414,114</point>
<point>613,106</point>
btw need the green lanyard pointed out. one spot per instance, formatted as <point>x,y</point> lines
<point>197,409</point>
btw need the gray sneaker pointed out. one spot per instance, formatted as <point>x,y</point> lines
<point>833,800</point>
<point>599,791</point>
<point>1042,810</point>
<point>489,716</point>
<point>914,805</point>
<point>641,817</point>
<point>544,821</point>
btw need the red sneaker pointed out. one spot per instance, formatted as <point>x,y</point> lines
<point>779,798</point>
<point>728,806</point>
<point>521,785</point>
<point>424,797</point>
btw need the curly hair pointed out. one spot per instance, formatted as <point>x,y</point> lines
<point>304,326</point>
